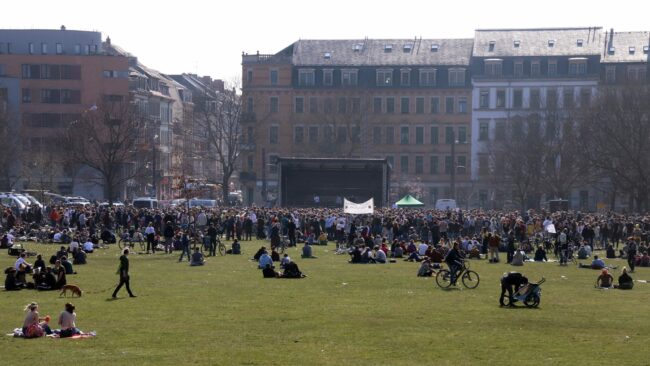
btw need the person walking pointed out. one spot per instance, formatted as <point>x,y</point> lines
<point>123,271</point>
<point>150,232</point>
<point>185,246</point>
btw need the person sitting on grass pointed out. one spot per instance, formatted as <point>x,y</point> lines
<point>10,280</point>
<point>597,263</point>
<point>65,263</point>
<point>268,272</point>
<point>197,258</point>
<point>398,252</point>
<point>583,253</point>
<point>235,247</point>
<point>610,252</point>
<point>307,251</point>
<point>291,270</point>
<point>380,255</point>
<point>540,254</point>
<point>355,254</point>
<point>285,260</point>
<point>265,260</point>
<point>518,258</point>
<point>604,280</point>
<point>259,253</point>
<point>426,269</point>
<point>625,281</point>
<point>79,257</point>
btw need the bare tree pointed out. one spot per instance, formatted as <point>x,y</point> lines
<point>615,136</point>
<point>222,123</point>
<point>104,139</point>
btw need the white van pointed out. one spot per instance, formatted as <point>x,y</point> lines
<point>446,204</point>
<point>145,202</point>
<point>200,202</point>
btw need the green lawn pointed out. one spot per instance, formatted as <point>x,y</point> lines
<point>225,313</point>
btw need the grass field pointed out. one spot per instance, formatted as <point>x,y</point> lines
<point>225,313</point>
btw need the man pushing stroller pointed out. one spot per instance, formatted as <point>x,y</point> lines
<point>511,282</point>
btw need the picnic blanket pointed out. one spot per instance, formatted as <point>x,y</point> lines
<point>18,333</point>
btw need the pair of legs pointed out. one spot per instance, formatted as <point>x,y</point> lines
<point>124,280</point>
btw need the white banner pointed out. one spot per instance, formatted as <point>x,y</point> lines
<point>367,207</point>
<point>550,229</point>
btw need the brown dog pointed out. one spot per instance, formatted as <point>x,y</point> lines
<point>72,288</point>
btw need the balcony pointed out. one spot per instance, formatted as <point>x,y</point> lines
<point>247,176</point>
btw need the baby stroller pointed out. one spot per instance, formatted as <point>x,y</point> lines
<point>530,295</point>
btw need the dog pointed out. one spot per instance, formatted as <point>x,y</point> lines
<point>72,288</point>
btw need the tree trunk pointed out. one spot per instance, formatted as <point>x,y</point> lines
<point>225,189</point>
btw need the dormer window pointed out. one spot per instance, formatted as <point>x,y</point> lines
<point>517,43</point>
<point>579,42</point>
<point>632,50</point>
<point>357,47</point>
<point>327,55</point>
<point>645,49</point>
<point>388,47</point>
<point>551,42</point>
<point>491,46</point>
<point>434,47</point>
<point>408,47</point>
<point>611,50</point>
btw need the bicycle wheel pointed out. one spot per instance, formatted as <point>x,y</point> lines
<point>221,248</point>
<point>532,301</point>
<point>121,244</point>
<point>470,279</point>
<point>443,278</point>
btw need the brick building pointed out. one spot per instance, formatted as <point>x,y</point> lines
<point>403,100</point>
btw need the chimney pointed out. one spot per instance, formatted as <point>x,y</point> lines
<point>108,41</point>
<point>611,37</point>
<point>63,27</point>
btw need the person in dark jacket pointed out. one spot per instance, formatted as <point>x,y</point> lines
<point>511,283</point>
<point>454,260</point>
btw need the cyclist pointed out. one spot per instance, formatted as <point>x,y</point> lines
<point>454,260</point>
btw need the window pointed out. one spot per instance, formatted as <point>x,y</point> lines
<point>77,51</point>
<point>516,43</point>
<point>249,105</point>
<point>390,105</point>
<point>484,99</point>
<point>313,134</point>
<point>483,131</point>
<point>501,98</point>
<point>2,48</point>
<point>500,130</point>
<point>249,162</point>
<point>552,68</point>
<point>404,164</point>
<point>376,135</point>
<point>273,166</point>
<point>550,129</point>
<point>27,95</point>
<point>405,105</point>
<point>328,134</point>
<point>449,105</point>
<point>483,165</point>
<point>491,46</point>
<point>519,69</point>
<point>427,77</point>
<point>457,77</point>
<point>405,77</point>
<point>419,135</point>
<point>52,96</point>
<point>407,47</point>
<point>250,134</point>
<point>435,105</point>
<point>449,164</point>
<point>577,66</point>
<point>535,69</point>
<point>328,77</point>
<point>355,134</point>
<point>419,165</point>
<point>342,105</point>
<point>273,105</point>
<point>579,42</point>
<point>59,48</point>
<point>462,105</point>
<point>70,96</point>
<point>493,67</point>
<point>249,76</point>
<point>356,105</point>
<point>313,105</point>
<point>44,48</point>
<point>551,42</point>
<point>391,161</point>
<point>419,105</point>
<point>349,77</point>
<point>10,51</point>
<point>384,77</point>
<point>585,97</point>
<point>342,135</point>
<point>462,134</point>
<point>636,73</point>
<point>273,76</point>
<point>433,135</point>
<point>273,135</point>
<point>449,135</point>
<point>2,73</point>
<point>86,49</point>
<point>30,48</point>
<point>517,98</point>
<point>435,47</point>
<point>610,74</point>
<point>534,99</point>
<point>390,135</point>
<point>551,98</point>
<point>298,134</point>
<point>376,105</point>
<point>433,165</point>
<point>404,135</point>
<point>306,77</point>
<point>388,47</point>
<point>568,98</point>
<point>299,104</point>
<point>328,106</point>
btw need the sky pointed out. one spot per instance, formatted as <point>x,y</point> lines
<point>208,37</point>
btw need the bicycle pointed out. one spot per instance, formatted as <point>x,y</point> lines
<point>128,241</point>
<point>469,278</point>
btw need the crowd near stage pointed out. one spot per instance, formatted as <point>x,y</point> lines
<point>325,182</point>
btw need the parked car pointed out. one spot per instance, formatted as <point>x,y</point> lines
<point>145,202</point>
<point>76,201</point>
<point>201,202</point>
<point>177,202</point>
<point>10,199</point>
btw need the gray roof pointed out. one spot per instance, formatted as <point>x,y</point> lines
<point>628,47</point>
<point>372,52</point>
<point>535,42</point>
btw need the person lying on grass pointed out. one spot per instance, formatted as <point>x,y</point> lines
<point>597,263</point>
